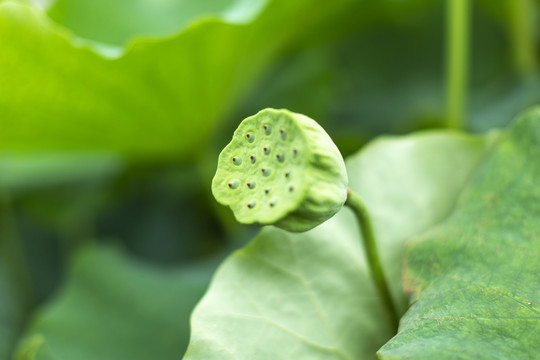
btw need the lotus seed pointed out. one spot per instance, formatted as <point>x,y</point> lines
<point>251,184</point>
<point>287,173</point>
<point>267,129</point>
<point>266,150</point>
<point>233,184</point>
<point>273,202</point>
<point>266,171</point>
<point>251,204</point>
<point>253,158</point>
<point>280,157</point>
<point>237,160</point>
<point>267,190</point>
<point>283,134</point>
<point>250,137</point>
<point>291,188</point>
<point>295,152</point>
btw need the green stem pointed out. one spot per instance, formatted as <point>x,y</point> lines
<point>357,206</point>
<point>457,49</point>
<point>522,22</point>
<point>13,254</point>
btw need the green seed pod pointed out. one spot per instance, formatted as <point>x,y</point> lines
<point>294,178</point>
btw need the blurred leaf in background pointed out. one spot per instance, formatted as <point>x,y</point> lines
<point>117,23</point>
<point>115,308</point>
<point>159,99</point>
<point>112,114</point>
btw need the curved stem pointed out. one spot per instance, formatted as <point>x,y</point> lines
<point>457,53</point>
<point>370,246</point>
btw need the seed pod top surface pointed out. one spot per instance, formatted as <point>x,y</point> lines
<point>281,168</point>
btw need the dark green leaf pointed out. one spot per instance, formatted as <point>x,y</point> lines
<point>116,308</point>
<point>474,279</point>
<point>16,294</point>
<point>11,313</point>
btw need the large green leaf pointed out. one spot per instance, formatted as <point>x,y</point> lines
<point>310,295</point>
<point>118,22</point>
<point>474,279</point>
<point>161,98</point>
<point>116,308</point>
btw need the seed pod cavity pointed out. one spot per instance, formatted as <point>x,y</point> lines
<point>293,173</point>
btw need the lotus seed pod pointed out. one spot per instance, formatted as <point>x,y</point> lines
<point>295,174</point>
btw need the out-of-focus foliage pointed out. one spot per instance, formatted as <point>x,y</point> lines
<point>112,114</point>
<point>110,304</point>
<point>168,94</point>
<point>11,312</point>
<point>160,99</point>
<point>21,172</point>
<point>116,23</point>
